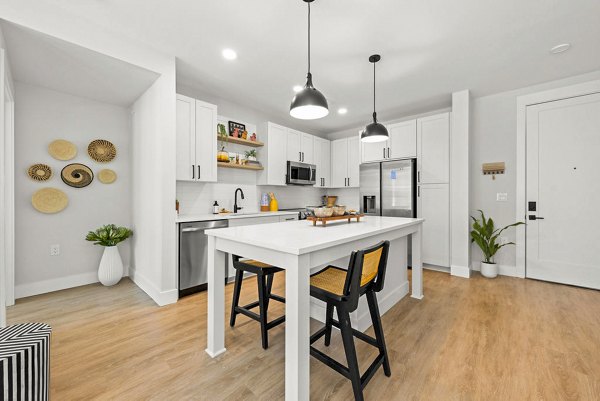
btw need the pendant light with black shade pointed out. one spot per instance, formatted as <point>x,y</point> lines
<point>374,132</point>
<point>309,103</point>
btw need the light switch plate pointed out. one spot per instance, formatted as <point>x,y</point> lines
<point>501,197</point>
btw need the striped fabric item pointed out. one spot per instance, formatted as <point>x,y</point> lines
<point>25,362</point>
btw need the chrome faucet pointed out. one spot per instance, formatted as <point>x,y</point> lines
<point>235,205</point>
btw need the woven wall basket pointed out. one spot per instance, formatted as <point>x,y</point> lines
<point>62,149</point>
<point>107,176</point>
<point>77,175</point>
<point>102,151</point>
<point>40,172</point>
<point>49,200</point>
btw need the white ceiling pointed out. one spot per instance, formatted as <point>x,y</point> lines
<point>43,60</point>
<point>429,48</point>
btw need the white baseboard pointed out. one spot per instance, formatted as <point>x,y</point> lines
<point>161,298</point>
<point>57,284</point>
<point>503,270</point>
<point>460,271</point>
<point>363,321</point>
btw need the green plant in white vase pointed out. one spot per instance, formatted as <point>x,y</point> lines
<point>251,155</point>
<point>110,270</point>
<point>487,237</point>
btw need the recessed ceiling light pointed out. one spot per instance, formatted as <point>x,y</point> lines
<point>298,88</point>
<point>229,54</point>
<point>342,110</point>
<point>560,48</point>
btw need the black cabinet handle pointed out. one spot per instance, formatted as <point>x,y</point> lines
<point>418,176</point>
<point>388,153</point>
<point>193,172</point>
<point>348,181</point>
<point>384,153</point>
<point>419,192</point>
<point>198,171</point>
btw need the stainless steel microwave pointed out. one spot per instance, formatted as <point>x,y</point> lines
<point>301,173</point>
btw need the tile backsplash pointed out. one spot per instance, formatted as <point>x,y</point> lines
<point>198,197</point>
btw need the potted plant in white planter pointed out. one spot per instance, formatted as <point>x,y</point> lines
<point>110,270</point>
<point>487,236</point>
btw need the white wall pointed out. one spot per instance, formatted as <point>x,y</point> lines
<point>493,138</point>
<point>6,182</point>
<point>41,116</point>
<point>158,143</point>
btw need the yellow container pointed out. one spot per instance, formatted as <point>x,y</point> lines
<point>273,205</point>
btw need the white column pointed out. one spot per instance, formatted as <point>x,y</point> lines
<point>216,300</point>
<point>297,330</point>
<point>460,252</point>
<point>416,239</point>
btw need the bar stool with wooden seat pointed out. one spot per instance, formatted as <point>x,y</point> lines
<point>264,276</point>
<point>341,289</point>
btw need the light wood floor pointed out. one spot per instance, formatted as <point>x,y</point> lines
<point>477,339</point>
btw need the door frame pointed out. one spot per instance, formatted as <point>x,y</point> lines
<point>582,89</point>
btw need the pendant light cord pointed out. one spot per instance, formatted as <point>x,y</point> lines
<point>309,38</point>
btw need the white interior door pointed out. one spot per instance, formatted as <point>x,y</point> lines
<point>563,183</point>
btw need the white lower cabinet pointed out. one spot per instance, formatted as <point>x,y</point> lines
<point>433,204</point>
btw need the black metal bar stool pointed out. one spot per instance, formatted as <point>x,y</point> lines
<point>264,276</point>
<point>341,289</point>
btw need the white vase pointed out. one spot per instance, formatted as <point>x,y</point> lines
<point>489,270</point>
<point>111,266</point>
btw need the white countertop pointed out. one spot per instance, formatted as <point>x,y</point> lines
<point>186,218</point>
<point>299,237</point>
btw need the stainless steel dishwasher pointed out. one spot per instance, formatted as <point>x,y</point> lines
<point>193,255</point>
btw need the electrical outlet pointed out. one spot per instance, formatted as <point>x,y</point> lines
<point>501,197</point>
<point>54,250</point>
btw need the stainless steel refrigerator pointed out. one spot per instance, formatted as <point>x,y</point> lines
<point>389,188</point>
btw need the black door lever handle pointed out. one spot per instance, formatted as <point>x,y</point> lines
<point>532,217</point>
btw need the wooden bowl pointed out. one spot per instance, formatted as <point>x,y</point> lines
<point>323,211</point>
<point>339,210</point>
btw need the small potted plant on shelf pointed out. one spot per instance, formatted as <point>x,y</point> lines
<point>487,237</point>
<point>110,270</point>
<point>222,155</point>
<point>250,155</point>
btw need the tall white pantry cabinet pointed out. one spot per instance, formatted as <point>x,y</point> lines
<point>433,187</point>
<point>196,140</point>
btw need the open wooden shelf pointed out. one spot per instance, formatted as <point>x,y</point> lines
<point>241,141</point>
<point>240,166</point>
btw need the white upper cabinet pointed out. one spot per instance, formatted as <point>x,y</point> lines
<point>206,141</point>
<point>353,162</point>
<point>294,145</point>
<point>403,140</point>
<point>273,155</point>
<point>196,140</point>
<point>401,144</point>
<point>322,159</point>
<point>307,148</point>
<point>300,147</point>
<point>345,163</point>
<point>433,149</point>
<point>373,151</point>
<point>186,138</point>
<point>339,163</point>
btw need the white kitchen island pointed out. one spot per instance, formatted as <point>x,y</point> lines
<point>297,247</point>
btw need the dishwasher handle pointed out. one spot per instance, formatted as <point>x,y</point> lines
<point>203,225</point>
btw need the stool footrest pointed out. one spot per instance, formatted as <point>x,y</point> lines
<point>358,334</point>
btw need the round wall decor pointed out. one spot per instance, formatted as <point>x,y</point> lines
<point>77,175</point>
<point>102,150</point>
<point>62,150</point>
<point>107,176</point>
<point>40,172</point>
<point>49,200</point>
